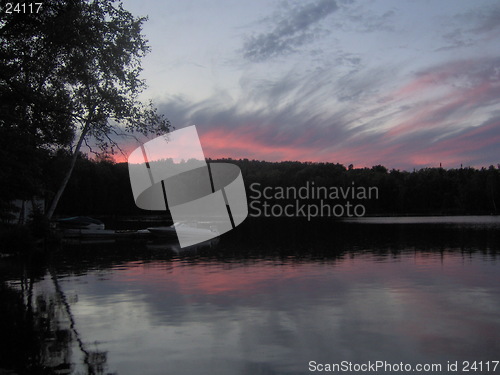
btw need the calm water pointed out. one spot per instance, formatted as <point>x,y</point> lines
<point>270,298</point>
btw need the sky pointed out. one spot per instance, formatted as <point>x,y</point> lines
<point>405,84</point>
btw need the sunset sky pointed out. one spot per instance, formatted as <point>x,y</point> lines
<point>406,84</point>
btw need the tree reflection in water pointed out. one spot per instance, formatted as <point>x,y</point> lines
<point>39,334</point>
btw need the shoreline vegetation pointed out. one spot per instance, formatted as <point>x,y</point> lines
<point>101,189</point>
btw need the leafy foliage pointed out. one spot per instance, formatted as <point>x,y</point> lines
<point>103,188</point>
<point>74,64</point>
<point>69,73</point>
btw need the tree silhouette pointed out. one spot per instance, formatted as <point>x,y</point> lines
<point>70,72</point>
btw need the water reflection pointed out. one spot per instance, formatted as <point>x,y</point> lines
<point>416,295</point>
<point>472,220</point>
<point>39,333</point>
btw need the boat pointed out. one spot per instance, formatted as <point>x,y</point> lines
<point>80,222</point>
<point>184,229</point>
<point>83,227</point>
<point>90,228</point>
<point>104,233</point>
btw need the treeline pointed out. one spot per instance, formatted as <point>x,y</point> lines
<point>103,187</point>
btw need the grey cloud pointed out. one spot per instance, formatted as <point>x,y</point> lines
<point>472,25</point>
<point>359,84</point>
<point>483,140</point>
<point>293,29</point>
<point>466,77</point>
<point>455,39</point>
<point>360,20</point>
<point>483,19</point>
<point>294,107</point>
<point>348,59</point>
<point>324,111</point>
<point>476,146</point>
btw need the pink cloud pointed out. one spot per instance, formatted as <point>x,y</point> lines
<point>249,142</point>
<point>443,115</point>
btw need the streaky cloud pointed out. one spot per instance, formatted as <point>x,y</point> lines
<point>292,30</point>
<point>472,26</point>
<point>355,118</point>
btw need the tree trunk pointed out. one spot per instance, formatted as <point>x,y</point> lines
<point>64,182</point>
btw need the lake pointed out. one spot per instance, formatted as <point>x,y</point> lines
<point>274,296</point>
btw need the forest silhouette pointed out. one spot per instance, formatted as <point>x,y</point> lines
<point>103,187</point>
